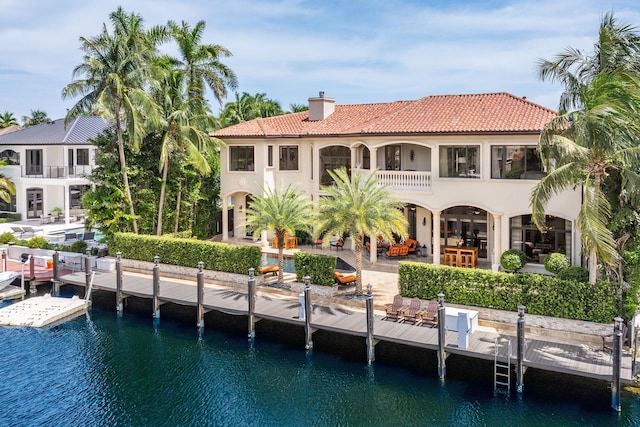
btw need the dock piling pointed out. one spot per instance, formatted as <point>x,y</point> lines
<point>371,353</point>
<point>4,260</point>
<point>251,296</point>
<point>55,282</point>
<point>156,288</point>
<point>441,337</point>
<point>87,269</point>
<point>617,364</point>
<point>520,350</point>
<point>200,282</point>
<point>119,305</point>
<point>308,343</point>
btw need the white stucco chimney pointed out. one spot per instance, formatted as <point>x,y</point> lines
<point>320,108</point>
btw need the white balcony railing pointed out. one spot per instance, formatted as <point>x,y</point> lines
<point>405,180</point>
<point>58,172</point>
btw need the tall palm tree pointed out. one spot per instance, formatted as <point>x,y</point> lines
<point>282,211</point>
<point>7,119</point>
<point>37,117</point>
<point>247,107</point>
<point>115,71</point>
<point>200,63</point>
<point>186,129</point>
<point>7,187</point>
<point>617,49</point>
<point>358,206</point>
<point>580,149</point>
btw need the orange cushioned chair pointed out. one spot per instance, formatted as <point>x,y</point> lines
<point>269,269</point>
<point>344,279</point>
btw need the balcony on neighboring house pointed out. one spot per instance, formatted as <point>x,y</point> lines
<point>56,172</point>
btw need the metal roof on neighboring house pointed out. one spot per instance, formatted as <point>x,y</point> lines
<point>79,131</point>
<point>489,113</point>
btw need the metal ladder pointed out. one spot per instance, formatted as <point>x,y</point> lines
<point>501,370</point>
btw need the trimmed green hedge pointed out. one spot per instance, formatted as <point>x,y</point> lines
<point>318,267</point>
<point>187,252</point>
<point>540,294</point>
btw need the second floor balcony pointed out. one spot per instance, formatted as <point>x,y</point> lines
<point>404,180</point>
<point>56,172</point>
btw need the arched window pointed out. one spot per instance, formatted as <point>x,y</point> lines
<point>331,158</point>
<point>10,157</point>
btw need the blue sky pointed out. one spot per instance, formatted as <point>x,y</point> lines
<point>356,51</point>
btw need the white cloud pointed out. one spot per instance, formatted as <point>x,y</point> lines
<point>356,51</point>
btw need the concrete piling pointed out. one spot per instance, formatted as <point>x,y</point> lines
<point>200,297</point>
<point>308,343</point>
<point>441,338</point>
<point>156,288</point>
<point>520,351</point>
<point>119,304</point>
<point>251,296</point>
<point>371,353</point>
<point>617,364</point>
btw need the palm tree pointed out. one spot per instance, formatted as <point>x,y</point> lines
<point>7,187</point>
<point>186,130</point>
<point>617,49</point>
<point>200,64</point>
<point>580,149</point>
<point>37,117</point>
<point>298,108</point>
<point>7,119</point>
<point>358,206</point>
<point>280,211</point>
<point>114,75</point>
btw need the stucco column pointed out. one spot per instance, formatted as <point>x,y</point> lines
<point>225,220</point>
<point>497,241</point>
<point>263,238</point>
<point>373,158</point>
<point>436,237</point>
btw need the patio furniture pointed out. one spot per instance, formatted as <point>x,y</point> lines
<point>394,310</point>
<point>338,244</point>
<point>273,269</point>
<point>429,317</point>
<point>17,232</point>
<point>70,238</point>
<point>29,231</point>
<point>394,251</point>
<point>412,244</point>
<point>410,314</point>
<point>453,256</point>
<point>344,279</point>
<point>403,250</point>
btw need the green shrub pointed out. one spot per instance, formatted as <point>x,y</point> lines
<point>540,294</point>
<point>78,246</point>
<point>574,272</point>
<point>6,238</point>
<point>318,267</point>
<point>38,243</point>
<point>187,252</point>
<point>555,262</point>
<point>513,259</point>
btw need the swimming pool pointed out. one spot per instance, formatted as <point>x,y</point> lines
<point>289,266</point>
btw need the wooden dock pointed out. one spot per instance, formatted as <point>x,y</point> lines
<point>562,357</point>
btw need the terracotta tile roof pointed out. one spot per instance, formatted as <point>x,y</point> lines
<point>491,113</point>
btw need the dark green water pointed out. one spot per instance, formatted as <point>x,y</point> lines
<point>105,371</point>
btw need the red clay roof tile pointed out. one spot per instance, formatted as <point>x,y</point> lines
<point>489,113</point>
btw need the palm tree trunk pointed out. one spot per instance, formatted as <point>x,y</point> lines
<point>358,241</point>
<point>177,222</point>
<point>280,235</point>
<point>125,176</point>
<point>593,266</point>
<point>165,169</point>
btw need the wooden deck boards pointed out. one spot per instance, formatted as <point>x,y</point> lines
<point>568,358</point>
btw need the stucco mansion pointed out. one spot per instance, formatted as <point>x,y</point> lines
<point>464,166</point>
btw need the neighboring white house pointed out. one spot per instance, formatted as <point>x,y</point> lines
<point>464,165</point>
<point>50,164</point>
